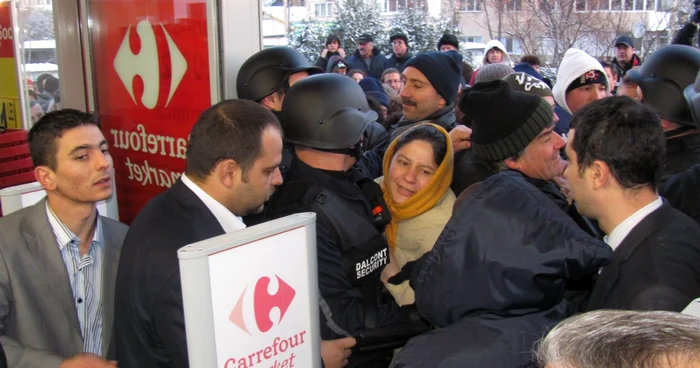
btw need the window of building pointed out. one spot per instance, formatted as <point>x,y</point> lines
<point>476,39</point>
<point>514,5</point>
<point>324,9</point>
<point>664,5</point>
<point>548,5</point>
<point>469,5</point>
<point>289,2</point>
<point>37,54</point>
<point>392,6</point>
<point>34,2</point>
<point>512,45</point>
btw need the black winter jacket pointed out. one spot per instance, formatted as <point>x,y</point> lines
<point>444,117</point>
<point>682,191</point>
<point>680,180</point>
<point>322,62</point>
<point>376,66</point>
<point>655,267</point>
<point>495,280</point>
<point>398,63</point>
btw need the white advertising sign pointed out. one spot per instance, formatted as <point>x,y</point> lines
<point>251,297</point>
<point>24,195</point>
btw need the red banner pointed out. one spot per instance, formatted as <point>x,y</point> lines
<point>6,32</point>
<point>152,82</point>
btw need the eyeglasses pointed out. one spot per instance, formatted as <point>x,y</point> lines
<point>397,42</point>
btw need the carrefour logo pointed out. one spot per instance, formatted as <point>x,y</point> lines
<point>263,303</point>
<point>146,65</point>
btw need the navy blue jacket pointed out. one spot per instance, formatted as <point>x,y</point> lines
<point>494,283</point>
<point>398,63</point>
<point>376,66</point>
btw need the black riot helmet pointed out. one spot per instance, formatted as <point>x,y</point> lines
<point>266,71</point>
<point>692,96</point>
<point>663,77</point>
<point>326,112</point>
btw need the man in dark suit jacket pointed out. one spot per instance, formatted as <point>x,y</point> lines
<point>58,258</point>
<point>232,168</point>
<point>616,147</point>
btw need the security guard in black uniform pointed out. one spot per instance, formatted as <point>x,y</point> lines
<point>325,117</point>
<point>663,78</point>
<point>272,71</point>
<point>266,77</point>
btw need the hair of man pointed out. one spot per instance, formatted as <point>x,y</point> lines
<point>389,71</point>
<point>625,135</point>
<point>45,133</point>
<point>531,60</point>
<point>231,129</point>
<point>622,339</point>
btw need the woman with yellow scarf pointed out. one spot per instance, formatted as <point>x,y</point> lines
<point>418,168</point>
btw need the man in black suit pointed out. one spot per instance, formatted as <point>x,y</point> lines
<point>232,168</point>
<point>232,164</point>
<point>616,148</point>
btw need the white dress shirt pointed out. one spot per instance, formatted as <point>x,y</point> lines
<point>229,222</point>
<point>623,229</point>
<point>85,277</point>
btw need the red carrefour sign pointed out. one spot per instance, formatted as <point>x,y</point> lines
<point>6,33</point>
<point>152,82</point>
<point>263,303</point>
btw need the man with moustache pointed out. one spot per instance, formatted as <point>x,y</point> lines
<point>431,82</point>
<point>367,57</point>
<point>59,256</point>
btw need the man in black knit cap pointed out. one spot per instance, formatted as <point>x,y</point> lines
<point>431,83</point>
<point>448,42</point>
<point>520,137</point>
<point>399,52</point>
<point>507,227</point>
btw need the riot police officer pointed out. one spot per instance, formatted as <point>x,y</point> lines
<point>325,117</point>
<point>266,77</point>
<point>662,79</point>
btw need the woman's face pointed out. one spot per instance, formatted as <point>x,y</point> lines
<point>410,170</point>
<point>333,46</point>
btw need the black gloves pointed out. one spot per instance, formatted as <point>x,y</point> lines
<point>403,275</point>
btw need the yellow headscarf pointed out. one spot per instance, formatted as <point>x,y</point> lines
<point>426,198</point>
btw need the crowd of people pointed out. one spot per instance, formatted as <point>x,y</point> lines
<point>43,95</point>
<point>503,221</point>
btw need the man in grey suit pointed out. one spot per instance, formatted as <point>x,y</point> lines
<point>58,258</point>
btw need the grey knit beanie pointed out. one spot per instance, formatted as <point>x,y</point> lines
<point>492,72</point>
